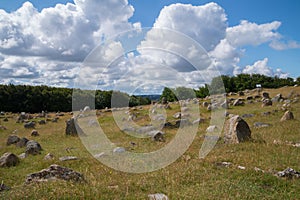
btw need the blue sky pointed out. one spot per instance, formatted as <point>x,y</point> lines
<point>277,54</point>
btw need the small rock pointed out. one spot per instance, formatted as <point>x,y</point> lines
<point>267,102</point>
<point>119,150</point>
<point>29,125</point>
<point>289,173</point>
<point>288,115</point>
<point>33,148</point>
<point>211,129</point>
<point>5,119</point>
<point>34,133</point>
<point>224,164</point>
<point>247,115</point>
<point>99,155</point>
<point>9,159</point>
<point>3,128</point>
<point>158,196</point>
<point>22,142</point>
<point>177,115</point>
<point>241,167</point>
<point>22,155</point>
<point>42,122</point>
<point>258,170</point>
<point>238,102</point>
<point>49,156</point>
<point>198,121</point>
<point>3,187</point>
<point>182,123</point>
<point>12,139</point>
<point>266,95</point>
<point>67,158</point>
<point>261,125</point>
<point>54,172</point>
<point>157,136</point>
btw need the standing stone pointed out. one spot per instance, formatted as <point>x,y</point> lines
<point>9,159</point>
<point>236,130</point>
<point>71,127</point>
<point>33,148</point>
<point>12,139</point>
<point>288,115</point>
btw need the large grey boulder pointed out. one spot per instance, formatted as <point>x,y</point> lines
<point>236,130</point>
<point>33,148</point>
<point>9,159</point>
<point>54,172</point>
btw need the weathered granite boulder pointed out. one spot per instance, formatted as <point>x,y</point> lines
<point>236,130</point>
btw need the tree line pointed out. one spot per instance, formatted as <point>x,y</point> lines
<point>225,84</point>
<point>34,99</point>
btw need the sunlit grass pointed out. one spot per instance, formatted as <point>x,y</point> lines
<point>187,178</point>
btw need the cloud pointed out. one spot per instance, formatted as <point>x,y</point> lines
<point>278,45</point>
<point>247,33</point>
<point>261,67</point>
<point>186,46</point>
<point>55,40</point>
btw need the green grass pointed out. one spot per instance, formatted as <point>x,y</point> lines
<point>192,178</point>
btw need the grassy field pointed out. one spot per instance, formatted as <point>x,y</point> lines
<point>187,178</point>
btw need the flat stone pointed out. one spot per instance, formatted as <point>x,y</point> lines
<point>158,196</point>
<point>261,125</point>
<point>67,158</point>
<point>54,172</point>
